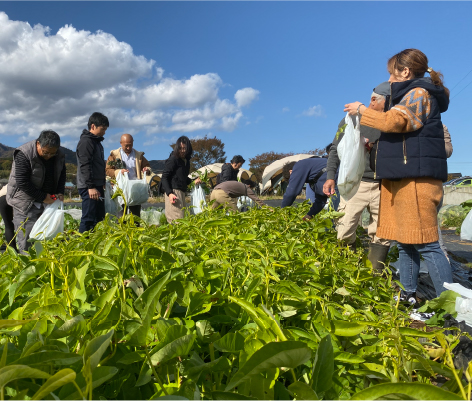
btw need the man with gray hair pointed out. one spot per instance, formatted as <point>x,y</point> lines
<point>38,173</point>
<point>368,193</point>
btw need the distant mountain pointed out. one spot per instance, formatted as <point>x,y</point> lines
<point>6,152</point>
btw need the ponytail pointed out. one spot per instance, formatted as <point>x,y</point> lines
<point>437,79</point>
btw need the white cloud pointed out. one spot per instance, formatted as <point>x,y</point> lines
<point>315,111</point>
<point>57,80</point>
<point>285,110</point>
<point>246,96</point>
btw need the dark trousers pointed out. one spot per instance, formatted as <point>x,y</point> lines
<point>136,210</point>
<point>6,211</point>
<point>93,211</point>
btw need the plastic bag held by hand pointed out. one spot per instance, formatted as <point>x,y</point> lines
<point>111,205</point>
<point>50,223</point>
<point>351,152</point>
<point>466,228</point>
<point>136,192</point>
<point>198,199</point>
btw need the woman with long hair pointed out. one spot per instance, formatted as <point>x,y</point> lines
<point>411,161</point>
<point>175,179</point>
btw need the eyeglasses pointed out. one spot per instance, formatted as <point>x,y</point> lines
<point>50,154</point>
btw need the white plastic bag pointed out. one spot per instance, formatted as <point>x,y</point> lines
<point>152,217</point>
<point>111,205</point>
<point>50,223</point>
<point>198,199</point>
<point>466,228</point>
<point>351,152</point>
<point>244,203</point>
<point>136,192</point>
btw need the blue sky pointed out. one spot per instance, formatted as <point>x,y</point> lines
<point>261,76</point>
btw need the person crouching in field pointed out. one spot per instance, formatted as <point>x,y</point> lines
<point>310,171</point>
<point>38,171</point>
<point>175,179</point>
<point>227,193</point>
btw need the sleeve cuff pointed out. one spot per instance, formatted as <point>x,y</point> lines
<point>330,175</point>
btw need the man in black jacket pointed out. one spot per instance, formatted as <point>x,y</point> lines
<point>230,171</point>
<point>91,175</point>
<point>38,173</point>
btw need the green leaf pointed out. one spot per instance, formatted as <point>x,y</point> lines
<point>288,354</point>
<point>348,358</point>
<point>96,348</point>
<point>79,291</point>
<point>246,237</point>
<point>416,391</point>
<point>181,346</point>
<point>16,372</point>
<point>54,310</point>
<point>107,296</point>
<point>323,366</point>
<point>346,329</point>
<point>406,331</point>
<point>231,342</point>
<point>156,253</point>
<point>48,357</point>
<point>74,327</point>
<point>132,357</point>
<point>446,301</point>
<point>220,364</point>
<point>143,303</point>
<point>100,375</point>
<point>61,378</point>
<point>289,289</point>
<point>302,391</point>
<point>146,305</point>
<point>9,323</point>
<point>216,222</point>
<point>250,310</point>
<point>199,303</point>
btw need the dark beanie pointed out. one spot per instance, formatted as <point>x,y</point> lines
<point>383,89</point>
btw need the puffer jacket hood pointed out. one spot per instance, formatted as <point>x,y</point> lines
<point>400,89</point>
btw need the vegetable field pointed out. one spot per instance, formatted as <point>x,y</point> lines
<point>257,305</point>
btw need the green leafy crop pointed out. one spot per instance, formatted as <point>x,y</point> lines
<point>256,305</point>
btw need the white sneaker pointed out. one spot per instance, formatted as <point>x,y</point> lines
<point>421,316</point>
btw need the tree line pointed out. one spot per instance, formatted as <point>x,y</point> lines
<point>212,150</point>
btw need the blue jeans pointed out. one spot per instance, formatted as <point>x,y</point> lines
<point>438,265</point>
<point>93,211</point>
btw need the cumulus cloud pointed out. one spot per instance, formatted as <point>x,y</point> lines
<point>56,80</point>
<point>315,111</point>
<point>246,96</point>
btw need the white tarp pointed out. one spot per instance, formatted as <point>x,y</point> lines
<point>275,168</point>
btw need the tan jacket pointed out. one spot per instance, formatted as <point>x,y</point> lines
<point>141,162</point>
<point>447,140</point>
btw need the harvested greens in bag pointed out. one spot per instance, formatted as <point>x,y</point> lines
<point>50,223</point>
<point>466,228</point>
<point>351,152</point>
<point>111,205</point>
<point>197,199</point>
<point>136,192</point>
